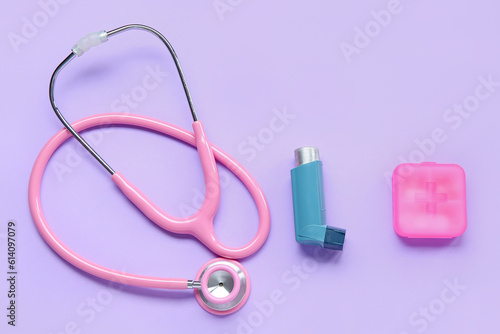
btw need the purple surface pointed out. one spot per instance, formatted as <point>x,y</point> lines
<point>366,111</point>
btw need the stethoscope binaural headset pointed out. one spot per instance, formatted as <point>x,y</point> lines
<point>222,285</point>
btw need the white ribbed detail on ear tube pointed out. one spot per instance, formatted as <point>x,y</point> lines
<point>91,40</point>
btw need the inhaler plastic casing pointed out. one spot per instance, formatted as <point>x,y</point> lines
<point>309,202</point>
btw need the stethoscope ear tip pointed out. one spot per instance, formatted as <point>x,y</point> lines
<point>225,286</point>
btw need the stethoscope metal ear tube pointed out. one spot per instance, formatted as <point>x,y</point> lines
<point>94,39</point>
<point>228,280</point>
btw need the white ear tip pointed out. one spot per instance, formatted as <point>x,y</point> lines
<point>89,41</point>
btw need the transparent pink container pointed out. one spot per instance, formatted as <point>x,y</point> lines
<point>429,200</point>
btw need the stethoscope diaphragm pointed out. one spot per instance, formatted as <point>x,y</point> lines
<point>224,286</point>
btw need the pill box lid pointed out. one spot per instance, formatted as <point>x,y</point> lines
<point>429,200</point>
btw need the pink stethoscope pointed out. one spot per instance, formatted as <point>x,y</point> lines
<point>222,285</point>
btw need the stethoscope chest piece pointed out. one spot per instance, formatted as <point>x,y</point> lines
<point>224,286</point>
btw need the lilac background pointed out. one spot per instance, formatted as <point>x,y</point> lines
<point>242,67</point>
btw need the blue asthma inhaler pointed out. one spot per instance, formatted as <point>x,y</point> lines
<point>309,202</point>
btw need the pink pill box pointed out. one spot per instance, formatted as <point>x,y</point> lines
<point>429,200</point>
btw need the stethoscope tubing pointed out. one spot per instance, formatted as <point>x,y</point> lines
<point>165,128</point>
